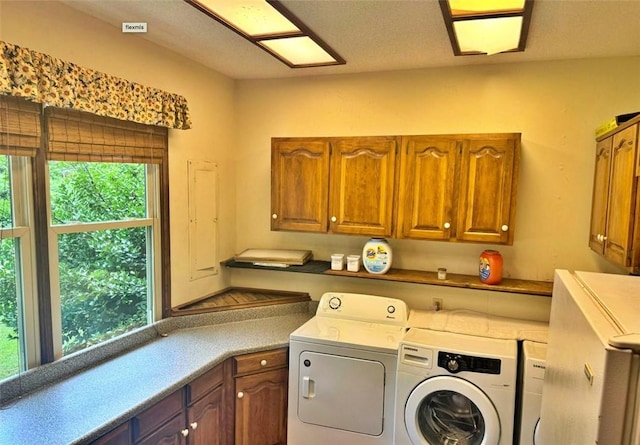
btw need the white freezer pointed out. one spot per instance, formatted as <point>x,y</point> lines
<point>590,391</point>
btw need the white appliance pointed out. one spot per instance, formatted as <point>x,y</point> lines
<point>455,389</point>
<point>342,367</point>
<point>533,366</point>
<point>590,391</point>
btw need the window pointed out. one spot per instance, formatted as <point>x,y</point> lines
<point>102,231</point>
<point>83,231</point>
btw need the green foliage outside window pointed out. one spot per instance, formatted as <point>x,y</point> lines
<point>103,273</point>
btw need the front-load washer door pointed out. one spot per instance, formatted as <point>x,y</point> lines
<point>446,410</point>
<point>339,392</point>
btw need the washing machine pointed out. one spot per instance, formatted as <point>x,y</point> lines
<point>455,389</point>
<point>342,371</point>
<point>533,367</point>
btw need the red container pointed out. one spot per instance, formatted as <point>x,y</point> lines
<point>490,267</point>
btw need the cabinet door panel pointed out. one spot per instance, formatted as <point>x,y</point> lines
<point>622,196</point>
<point>362,186</point>
<point>205,419</point>
<point>600,195</point>
<point>299,185</point>
<point>169,433</point>
<point>152,418</point>
<point>427,183</point>
<point>487,190</point>
<point>261,412</point>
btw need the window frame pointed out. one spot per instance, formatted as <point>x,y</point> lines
<point>26,137</point>
<point>151,223</point>
<point>21,233</point>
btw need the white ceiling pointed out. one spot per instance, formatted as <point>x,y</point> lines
<point>377,35</point>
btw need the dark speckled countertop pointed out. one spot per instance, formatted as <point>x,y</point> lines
<point>81,407</point>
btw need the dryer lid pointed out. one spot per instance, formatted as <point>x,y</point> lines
<point>350,333</point>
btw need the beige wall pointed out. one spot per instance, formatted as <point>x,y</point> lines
<point>555,105</point>
<point>55,29</point>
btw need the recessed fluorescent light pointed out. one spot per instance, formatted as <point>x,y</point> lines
<point>299,50</point>
<point>487,26</point>
<point>268,24</point>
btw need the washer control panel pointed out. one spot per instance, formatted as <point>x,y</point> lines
<point>363,307</point>
<point>455,363</point>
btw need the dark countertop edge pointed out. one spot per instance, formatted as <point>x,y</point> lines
<point>246,345</point>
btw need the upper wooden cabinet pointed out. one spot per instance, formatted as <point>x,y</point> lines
<point>615,212</point>
<point>362,184</point>
<point>427,190</point>
<point>489,166</point>
<point>459,187</point>
<point>300,184</point>
<point>444,187</point>
<point>336,185</point>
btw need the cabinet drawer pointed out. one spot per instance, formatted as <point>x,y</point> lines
<point>205,383</point>
<point>260,361</point>
<point>149,420</point>
<point>118,436</point>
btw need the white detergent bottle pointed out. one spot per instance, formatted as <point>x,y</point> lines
<point>377,256</point>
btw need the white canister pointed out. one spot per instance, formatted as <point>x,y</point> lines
<point>377,256</point>
<point>353,263</point>
<point>337,261</point>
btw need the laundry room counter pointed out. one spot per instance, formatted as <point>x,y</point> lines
<point>78,408</point>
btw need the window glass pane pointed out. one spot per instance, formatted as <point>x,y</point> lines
<point>6,213</point>
<point>10,354</point>
<point>96,191</point>
<point>103,285</point>
<point>10,294</point>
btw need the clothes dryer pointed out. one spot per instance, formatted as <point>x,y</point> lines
<point>533,366</point>
<point>342,371</point>
<point>455,389</point>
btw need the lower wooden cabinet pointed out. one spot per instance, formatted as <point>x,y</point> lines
<point>191,416</point>
<point>119,436</point>
<point>241,401</point>
<point>205,414</point>
<point>261,384</point>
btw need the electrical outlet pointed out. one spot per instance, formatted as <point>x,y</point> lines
<point>436,303</point>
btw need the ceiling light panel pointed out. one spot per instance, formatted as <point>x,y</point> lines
<point>462,7</point>
<point>271,26</point>
<point>252,17</point>
<point>299,51</point>
<point>487,26</point>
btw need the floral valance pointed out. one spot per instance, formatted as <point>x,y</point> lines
<point>45,79</point>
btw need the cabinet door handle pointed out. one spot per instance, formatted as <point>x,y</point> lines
<point>185,432</point>
<point>263,362</point>
<point>334,219</point>
<point>240,395</point>
<point>274,216</point>
<point>447,225</point>
<point>194,425</point>
<point>504,227</point>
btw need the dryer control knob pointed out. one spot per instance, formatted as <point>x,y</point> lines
<point>335,303</point>
<point>453,365</point>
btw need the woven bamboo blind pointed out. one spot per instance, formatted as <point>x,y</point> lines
<point>20,128</point>
<point>78,136</point>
